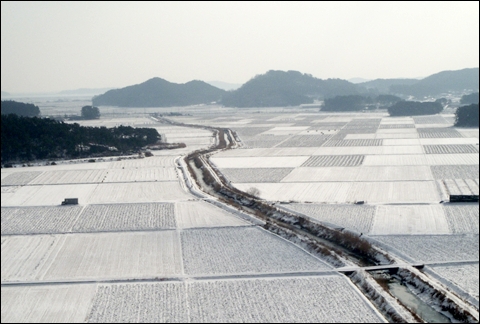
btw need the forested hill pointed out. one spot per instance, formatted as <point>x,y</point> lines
<point>383,85</point>
<point>19,108</point>
<point>280,88</point>
<point>158,92</point>
<point>442,82</point>
<point>32,138</point>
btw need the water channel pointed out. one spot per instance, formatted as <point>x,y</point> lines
<point>415,304</point>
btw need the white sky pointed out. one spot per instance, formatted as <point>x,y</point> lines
<point>54,46</point>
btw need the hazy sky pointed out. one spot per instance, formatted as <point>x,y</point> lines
<point>53,46</point>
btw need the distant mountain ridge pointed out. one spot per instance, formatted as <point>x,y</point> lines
<point>158,92</point>
<point>282,88</point>
<point>442,82</point>
<point>291,88</point>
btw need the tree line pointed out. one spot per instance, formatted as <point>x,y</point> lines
<point>32,138</point>
<point>467,116</point>
<point>19,108</point>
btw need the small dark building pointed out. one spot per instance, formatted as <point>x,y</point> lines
<point>70,201</point>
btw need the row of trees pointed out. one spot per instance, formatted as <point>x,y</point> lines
<point>415,108</point>
<point>358,102</point>
<point>467,116</point>
<point>19,108</point>
<point>30,138</point>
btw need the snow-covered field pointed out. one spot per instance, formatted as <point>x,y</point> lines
<point>435,248</point>
<point>194,214</point>
<point>47,304</point>
<point>98,256</point>
<point>289,300</point>
<point>348,192</point>
<point>422,219</point>
<point>466,276</point>
<point>356,217</point>
<point>201,263</point>
<point>242,250</point>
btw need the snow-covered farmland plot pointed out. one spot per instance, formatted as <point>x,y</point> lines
<point>455,171</point>
<point>288,300</point>
<point>44,195</point>
<point>462,218</point>
<point>256,174</point>
<point>305,141</point>
<point>19,178</point>
<point>289,130</point>
<point>144,174</point>
<point>394,192</point>
<point>337,160</point>
<point>191,214</point>
<point>394,173</point>
<point>458,186</point>
<point>250,131</point>
<point>355,217</point>
<point>433,119</point>
<point>369,150</point>
<point>448,141</point>
<point>24,257</point>
<point>469,132</point>
<point>66,177</point>
<point>126,217</point>
<point>150,162</point>
<point>463,275</point>
<point>395,159</point>
<point>140,303</point>
<point>259,162</point>
<point>354,142</point>
<point>452,159</point>
<point>313,174</point>
<point>263,141</point>
<point>438,133</point>
<point>419,219</point>
<point>47,304</point>
<point>348,192</point>
<point>242,250</point>
<point>133,192</point>
<point>39,220</point>
<point>91,256</point>
<point>450,149</point>
<point>434,248</point>
<point>395,126</point>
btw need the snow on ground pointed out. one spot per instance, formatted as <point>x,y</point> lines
<point>19,178</point>
<point>140,303</point>
<point>259,162</point>
<point>66,177</point>
<point>35,220</point>
<point>420,219</point>
<point>91,256</point>
<point>142,174</point>
<point>256,174</point>
<point>137,192</point>
<point>434,248</point>
<point>52,304</point>
<point>355,217</point>
<point>242,250</point>
<point>382,173</point>
<point>126,217</point>
<point>48,195</point>
<point>455,171</point>
<point>191,214</point>
<point>348,192</point>
<point>463,275</point>
<point>288,300</point>
<point>462,218</point>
